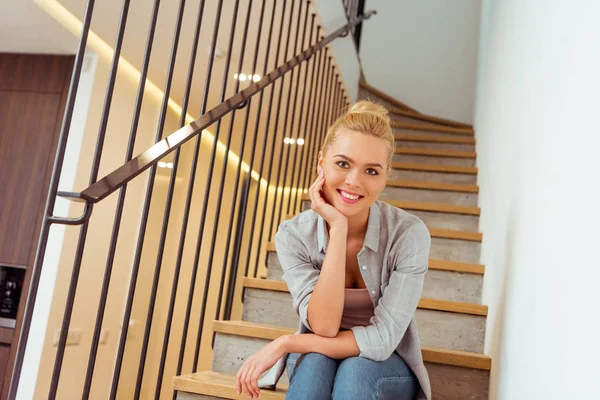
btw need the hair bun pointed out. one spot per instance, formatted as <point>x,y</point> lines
<point>365,106</point>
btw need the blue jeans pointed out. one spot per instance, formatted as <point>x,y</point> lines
<point>315,376</point>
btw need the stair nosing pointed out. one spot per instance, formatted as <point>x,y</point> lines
<point>430,354</point>
<point>425,303</point>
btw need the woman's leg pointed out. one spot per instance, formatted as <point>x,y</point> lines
<point>361,378</point>
<point>311,376</point>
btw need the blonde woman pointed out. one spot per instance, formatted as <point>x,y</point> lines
<point>355,268</point>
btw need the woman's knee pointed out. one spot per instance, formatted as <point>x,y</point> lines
<point>361,378</point>
<point>311,377</point>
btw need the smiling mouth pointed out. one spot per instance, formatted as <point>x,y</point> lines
<point>347,197</point>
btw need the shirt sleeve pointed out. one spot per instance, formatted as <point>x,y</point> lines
<point>396,308</point>
<point>299,273</point>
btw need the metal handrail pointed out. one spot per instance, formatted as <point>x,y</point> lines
<point>120,176</point>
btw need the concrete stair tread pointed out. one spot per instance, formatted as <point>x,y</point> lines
<point>433,128</point>
<point>418,151</point>
<point>221,385</point>
<point>429,185</point>
<point>452,169</point>
<point>434,355</point>
<point>424,303</point>
<point>425,206</point>
<point>434,139</point>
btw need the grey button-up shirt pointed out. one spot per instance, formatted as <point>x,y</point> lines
<point>395,254</point>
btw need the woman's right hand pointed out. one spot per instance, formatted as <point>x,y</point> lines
<point>322,207</point>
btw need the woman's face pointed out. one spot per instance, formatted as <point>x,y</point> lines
<point>354,164</point>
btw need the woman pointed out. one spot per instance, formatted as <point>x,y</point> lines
<point>355,268</point>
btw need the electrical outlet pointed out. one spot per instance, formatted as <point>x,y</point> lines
<point>73,337</point>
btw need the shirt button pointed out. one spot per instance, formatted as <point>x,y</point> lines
<point>372,292</point>
<point>364,267</point>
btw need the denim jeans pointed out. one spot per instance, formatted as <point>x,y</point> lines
<point>315,376</point>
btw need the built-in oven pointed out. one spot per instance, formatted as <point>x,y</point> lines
<point>11,284</point>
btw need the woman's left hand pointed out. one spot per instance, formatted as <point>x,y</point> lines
<point>247,377</point>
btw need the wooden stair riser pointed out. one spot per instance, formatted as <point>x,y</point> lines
<point>442,285</point>
<point>424,159</point>
<point>416,175</point>
<point>447,381</point>
<point>435,145</point>
<point>446,330</point>
<point>430,196</point>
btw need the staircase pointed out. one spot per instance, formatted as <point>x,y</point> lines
<point>433,177</point>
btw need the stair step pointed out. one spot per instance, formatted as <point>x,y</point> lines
<point>449,169</point>
<point>453,374</point>
<point>445,280</point>
<point>463,324</point>
<point>434,139</point>
<point>432,128</point>
<point>435,142</point>
<point>417,205</point>
<point>435,156</point>
<point>433,172</point>
<point>209,385</point>
<point>430,354</point>
<point>368,92</point>
<point>436,152</point>
<point>438,192</point>
<point>446,217</point>
<point>439,186</point>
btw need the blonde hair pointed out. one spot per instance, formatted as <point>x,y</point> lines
<point>368,118</point>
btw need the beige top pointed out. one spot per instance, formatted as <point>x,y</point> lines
<point>393,262</point>
<point>358,308</point>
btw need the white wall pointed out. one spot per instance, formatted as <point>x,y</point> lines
<point>424,53</point>
<point>537,145</point>
<point>26,28</point>
<point>333,17</point>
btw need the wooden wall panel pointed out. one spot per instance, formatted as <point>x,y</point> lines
<point>33,93</point>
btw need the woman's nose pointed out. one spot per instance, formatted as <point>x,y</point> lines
<point>352,178</point>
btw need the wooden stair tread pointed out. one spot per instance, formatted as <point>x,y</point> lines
<point>434,139</point>
<point>424,303</point>
<point>435,152</point>
<point>429,185</point>
<point>220,385</point>
<point>453,169</point>
<point>440,356</point>
<point>432,128</point>
<point>424,206</point>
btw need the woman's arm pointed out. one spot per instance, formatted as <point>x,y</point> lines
<point>326,303</point>
<point>341,346</point>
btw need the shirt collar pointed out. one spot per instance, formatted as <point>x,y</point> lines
<point>371,238</point>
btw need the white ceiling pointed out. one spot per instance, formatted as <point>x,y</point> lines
<point>26,28</point>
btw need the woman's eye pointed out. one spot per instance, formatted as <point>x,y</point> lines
<point>373,171</point>
<point>341,162</point>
